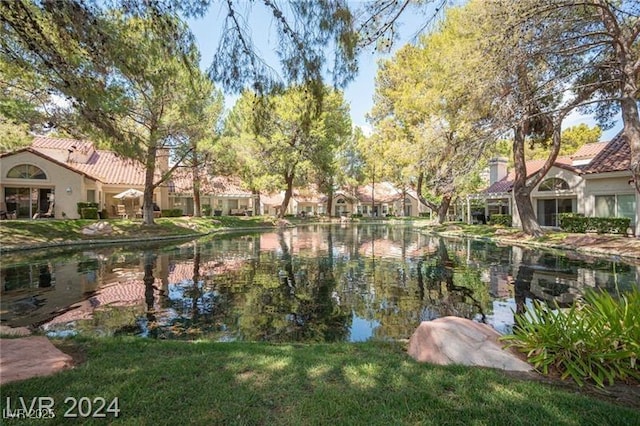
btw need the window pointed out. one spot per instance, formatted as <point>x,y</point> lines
<point>91,195</point>
<point>616,206</point>
<point>554,184</point>
<point>26,171</point>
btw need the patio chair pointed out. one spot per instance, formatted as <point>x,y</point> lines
<point>122,212</point>
<point>5,214</point>
<point>50,212</point>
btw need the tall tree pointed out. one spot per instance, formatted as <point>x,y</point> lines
<point>285,147</point>
<point>201,120</point>
<point>123,73</point>
<point>434,112</point>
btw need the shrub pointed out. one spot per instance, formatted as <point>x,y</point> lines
<point>172,213</point>
<point>609,225</point>
<point>597,338</point>
<point>572,222</point>
<point>82,205</point>
<point>502,219</point>
<point>89,213</point>
<point>423,214</point>
<point>356,215</point>
<point>206,210</point>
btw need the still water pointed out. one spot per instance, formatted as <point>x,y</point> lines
<point>311,283</point>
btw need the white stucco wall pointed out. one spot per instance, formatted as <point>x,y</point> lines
<point>59,178</point>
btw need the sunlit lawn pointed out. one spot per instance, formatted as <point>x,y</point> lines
<point>22,232</point>
<point>170,383</point>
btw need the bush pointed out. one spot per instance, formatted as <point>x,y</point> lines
<point>423,214</point>
<point>502,219</point>
<point>356,215</point>
<point>89,213</point>
<point>609,225</point>
<point>172,213</point>
<point>206,210</point>
<point>597,338</point>
<point>572,222</point>
<point>82,205</point>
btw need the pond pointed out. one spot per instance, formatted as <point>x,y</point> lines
<point>311,283</point>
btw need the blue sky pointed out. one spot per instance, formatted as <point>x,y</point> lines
<point>359,93</point>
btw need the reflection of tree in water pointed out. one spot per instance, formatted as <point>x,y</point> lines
<point>200,310</point>
<point>291,300</point>
<point>450,299</point>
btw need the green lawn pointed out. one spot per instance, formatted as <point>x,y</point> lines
<point>171,383</point>
<point>24,232</point>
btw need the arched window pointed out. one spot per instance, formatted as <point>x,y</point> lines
<point>554,184</point>
<point>340,201</point>
<point>26,171</point>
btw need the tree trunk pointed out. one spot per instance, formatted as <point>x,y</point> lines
<point>287,196</point>
<point>329,202</point>
<point>147,205</point>
<point>522,192</point>
<point>196,186</point>
<point>373,189</point>
<point>440,209</point>
<point>443,208</point>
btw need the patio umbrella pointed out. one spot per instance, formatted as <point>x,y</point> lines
<point>129,194</point>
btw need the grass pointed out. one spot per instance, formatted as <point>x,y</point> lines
<point>26,232</point>
<point>170,382</point>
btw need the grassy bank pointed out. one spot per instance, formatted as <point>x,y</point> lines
<point>28,232</point>
<point>589,244</point>
<point>170,382</point>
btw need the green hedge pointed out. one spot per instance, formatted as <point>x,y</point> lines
<point>206,210</point>
<point>83,205</point>
<point>502,219</point>
<point>89,213</point>
<point>172,213</point>
<point>572,222</point>
<point>423,214</point>
<point>356,215</point>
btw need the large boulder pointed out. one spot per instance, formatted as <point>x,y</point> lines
<point>453,340</point>
<point>28,357</point>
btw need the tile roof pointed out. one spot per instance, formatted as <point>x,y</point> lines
<point>589,150</point>
<point>182,182</point>
<point>384,192</point>
<point>615,157</point>
<point>506,183</point>
<point>81,156</point>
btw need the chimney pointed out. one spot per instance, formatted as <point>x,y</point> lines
<point>162,160</point>
<point>497,169</point>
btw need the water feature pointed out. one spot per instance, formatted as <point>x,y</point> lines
<point>311,283</point>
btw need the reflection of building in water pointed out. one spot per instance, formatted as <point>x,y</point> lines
<point>53,285</point>
<point>499,279</point>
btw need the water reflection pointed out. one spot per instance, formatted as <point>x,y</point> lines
<point>315,283</point>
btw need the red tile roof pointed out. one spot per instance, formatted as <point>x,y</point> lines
<point>105,166</point>
<point>383,192</point>
<point>182,182</point>
<point>506,183</point>
<point>589,150</point>
<point>615,157</point>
